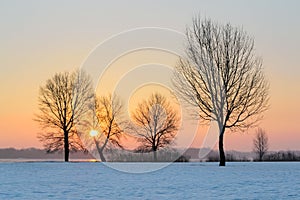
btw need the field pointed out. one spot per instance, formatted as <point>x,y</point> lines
<point>84,180</point>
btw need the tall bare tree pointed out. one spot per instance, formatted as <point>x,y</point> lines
<point>260,143</point>
<point>109,123</point>
<point>222,77</point>
<point>156,123</point>
<point>63,100</point>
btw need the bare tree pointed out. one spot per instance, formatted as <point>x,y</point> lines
<point>260,143</point>
<point>156,123</point>
<point>63,100</point>
<point>109,123</point>
<point>222,77</point>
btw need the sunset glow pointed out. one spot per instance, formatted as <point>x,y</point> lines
<point>93,133</point>
<point>159,100</point>
<point>38,40</point>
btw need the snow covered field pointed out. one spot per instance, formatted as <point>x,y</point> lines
<point>55,180</point>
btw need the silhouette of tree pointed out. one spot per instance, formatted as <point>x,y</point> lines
<point>63,100</point>
<point>261,143</point>
<point>108,113</point>
<point>155,124</point>
<point>222,77</point>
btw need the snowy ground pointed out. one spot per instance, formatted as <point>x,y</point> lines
<point>55,180</point>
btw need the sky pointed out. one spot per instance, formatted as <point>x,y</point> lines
<point>40,38</point>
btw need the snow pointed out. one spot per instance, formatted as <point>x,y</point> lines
<point>83,180</point>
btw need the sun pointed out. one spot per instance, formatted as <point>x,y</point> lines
<point>93,133</point>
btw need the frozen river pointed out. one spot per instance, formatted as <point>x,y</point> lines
<point>58,180</point>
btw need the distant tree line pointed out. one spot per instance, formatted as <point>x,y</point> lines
<point>213,156</point>
<point>164,155</point>
<point>282,156</point>
<point>276,156</point>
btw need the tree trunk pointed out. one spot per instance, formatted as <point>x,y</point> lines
<point>154,148</point>
<point>155,156</point>
<point>100,149</point>
<point>66,145</point>
<point>102,156</point>
<point>221,149</point>
<point>260,156</point>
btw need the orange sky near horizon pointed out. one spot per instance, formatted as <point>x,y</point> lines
<point>38,40</point>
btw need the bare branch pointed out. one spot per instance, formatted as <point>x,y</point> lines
<point>221,76</point>
<point>63,100</point>
<point>260,143</point>
<point>155,123</point>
